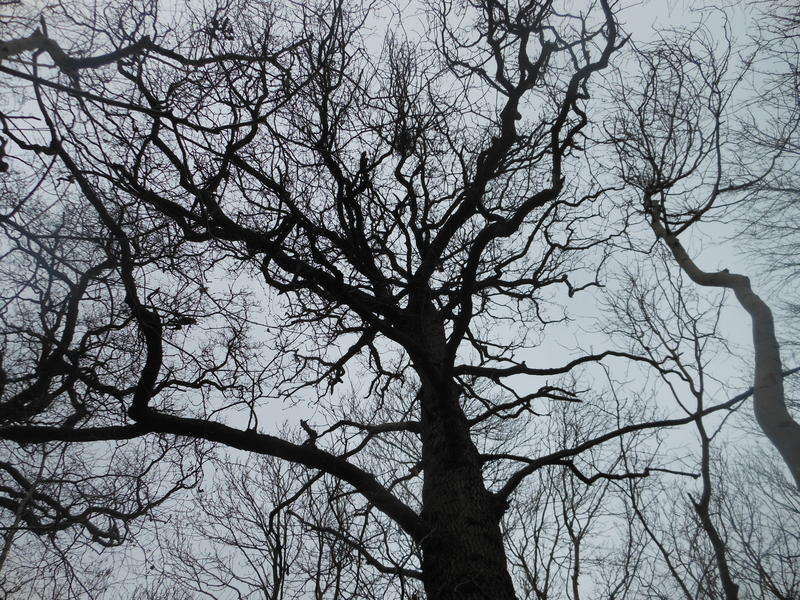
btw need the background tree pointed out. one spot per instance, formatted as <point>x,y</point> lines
<point>215,212</point>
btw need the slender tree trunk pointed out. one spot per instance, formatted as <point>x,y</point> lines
<point>463,553</point>
<point>769,401</point>
<point>702,507</point>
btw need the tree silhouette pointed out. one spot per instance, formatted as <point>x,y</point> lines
<point>215,213</point>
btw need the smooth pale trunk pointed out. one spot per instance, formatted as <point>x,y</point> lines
<point>769,401</point>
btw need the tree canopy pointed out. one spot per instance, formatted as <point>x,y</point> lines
<point>327,299</point>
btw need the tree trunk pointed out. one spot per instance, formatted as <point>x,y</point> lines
<point>463,554</point>
<point>769,400</point>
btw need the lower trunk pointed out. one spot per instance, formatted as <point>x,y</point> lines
<point>463,554</point>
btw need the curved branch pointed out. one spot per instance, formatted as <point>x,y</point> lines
<point>523,369</point>
<point>769,401</point>
<point>537,463</point>
<point>307,455</point>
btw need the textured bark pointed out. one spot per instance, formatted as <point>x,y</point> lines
<point>463,554</point>
<point>769,401</point>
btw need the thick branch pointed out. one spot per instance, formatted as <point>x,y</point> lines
<point>769,401</point>
<point>250,441</point>
<point>307,455</point>
<point>38,42</point>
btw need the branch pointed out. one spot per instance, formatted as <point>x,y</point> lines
<point>555,457</point>
<point>361,549</point>
<point>523,369</point>
<point>769,401</point>
<point>33,434</point>
<point>250,441</point>
<point>38,42</point>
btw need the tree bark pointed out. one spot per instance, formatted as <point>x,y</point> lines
<point>462,552</point>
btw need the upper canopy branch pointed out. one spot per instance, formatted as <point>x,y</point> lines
<point>39,42</point>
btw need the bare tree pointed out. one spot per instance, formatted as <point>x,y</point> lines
<point>215,212</point>
<point>674,149</point>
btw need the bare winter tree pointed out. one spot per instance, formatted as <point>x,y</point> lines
<point>215,212</point>
<point>676,150</point>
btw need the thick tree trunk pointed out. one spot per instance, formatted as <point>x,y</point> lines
<point>463,554</point>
